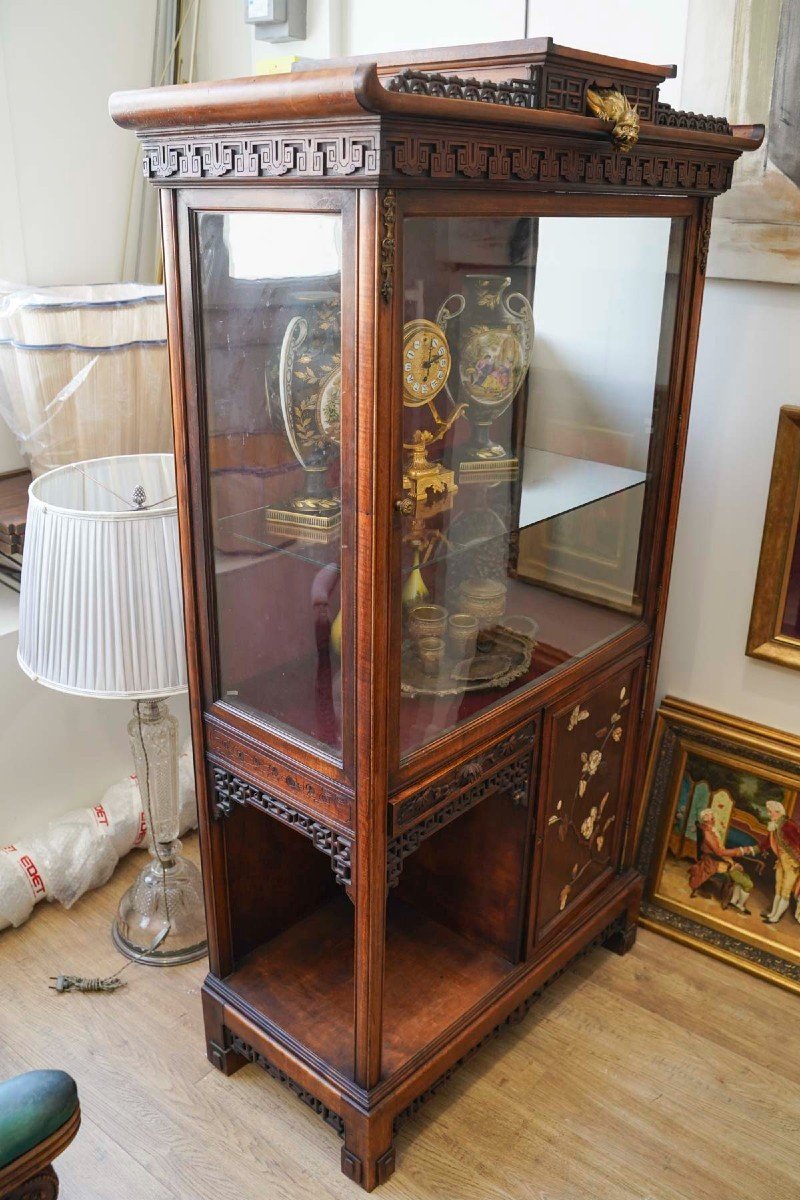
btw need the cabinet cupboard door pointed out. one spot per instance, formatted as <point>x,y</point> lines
<point>583,798</point>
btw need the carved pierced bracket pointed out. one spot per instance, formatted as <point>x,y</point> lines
<point>229,791</point>
<point>419,803</point>
<point>513,777</point>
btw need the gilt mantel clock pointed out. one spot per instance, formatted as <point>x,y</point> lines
<point>432,326</point>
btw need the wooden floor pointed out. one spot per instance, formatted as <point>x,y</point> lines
<point>664,1075</point>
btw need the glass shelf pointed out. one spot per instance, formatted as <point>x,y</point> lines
<point>552,486</point>
<point>246,533</point>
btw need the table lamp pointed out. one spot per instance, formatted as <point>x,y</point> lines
<point>101,615</point>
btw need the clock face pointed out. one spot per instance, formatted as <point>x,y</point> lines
<point>426,362</point>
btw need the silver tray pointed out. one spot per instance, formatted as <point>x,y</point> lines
<point>513,652</point>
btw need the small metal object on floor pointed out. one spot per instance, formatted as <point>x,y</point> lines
<point>110,983</point>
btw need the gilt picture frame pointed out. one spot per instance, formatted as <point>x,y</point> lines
<point>720,839</point>
<point>774,632</point>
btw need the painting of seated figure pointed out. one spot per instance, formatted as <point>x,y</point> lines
<point>721,842</point>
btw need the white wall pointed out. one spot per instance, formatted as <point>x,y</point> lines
<point>416,24</point>
<point>746,369</point>
<point>224,41</point>
<point>639,29</point>
<point>67,169</point>
<point>74,167</point>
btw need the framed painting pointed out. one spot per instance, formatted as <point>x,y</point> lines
<point>720,843</point>
<point>775,620</point>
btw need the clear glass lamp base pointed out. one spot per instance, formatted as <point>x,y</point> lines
<point>160,919</point>
<point>163,897</point>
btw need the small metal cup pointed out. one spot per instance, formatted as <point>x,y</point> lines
<point>431,653</point>
<point>427,620</point>
<point>485,599</point>
<point>463,631</point>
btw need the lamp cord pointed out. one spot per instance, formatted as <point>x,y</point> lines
<point>110,983</point>
<point>81,983</point>
<point>156,845</point>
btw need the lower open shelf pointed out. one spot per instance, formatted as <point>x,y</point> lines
<point>302,981</point>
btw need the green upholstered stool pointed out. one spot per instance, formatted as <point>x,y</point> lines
<point>39,1117</point>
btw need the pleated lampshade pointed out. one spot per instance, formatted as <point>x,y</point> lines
<point>101,609</point>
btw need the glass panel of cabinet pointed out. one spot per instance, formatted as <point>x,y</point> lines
<point>535,354</point>
<point>270,300</point>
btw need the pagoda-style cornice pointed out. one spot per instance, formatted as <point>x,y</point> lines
<point>354,123</point>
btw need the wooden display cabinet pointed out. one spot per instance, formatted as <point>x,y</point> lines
<point>432,340</point>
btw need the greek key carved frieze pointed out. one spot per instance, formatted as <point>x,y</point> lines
<point>444,156</point>
<point>452,157</point>
<point>229,791</point>
<point>316,156</point>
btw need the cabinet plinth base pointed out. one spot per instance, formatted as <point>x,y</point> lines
<point>368,1156</point>
<point>623,938</point>
<point>368,1120</point>
<point>219,1050</point>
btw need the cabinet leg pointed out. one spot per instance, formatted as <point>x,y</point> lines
<point>368,1151</point>
<point>219,1054</point>
<point>622,940</point>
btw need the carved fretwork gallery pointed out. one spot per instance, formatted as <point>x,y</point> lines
<point>230,790</point>
<point>424,597</point>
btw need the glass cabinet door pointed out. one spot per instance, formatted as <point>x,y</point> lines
<point>535,354</point>
<point>270,300</point>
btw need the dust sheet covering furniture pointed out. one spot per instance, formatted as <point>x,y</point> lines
<point>432,329</point>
